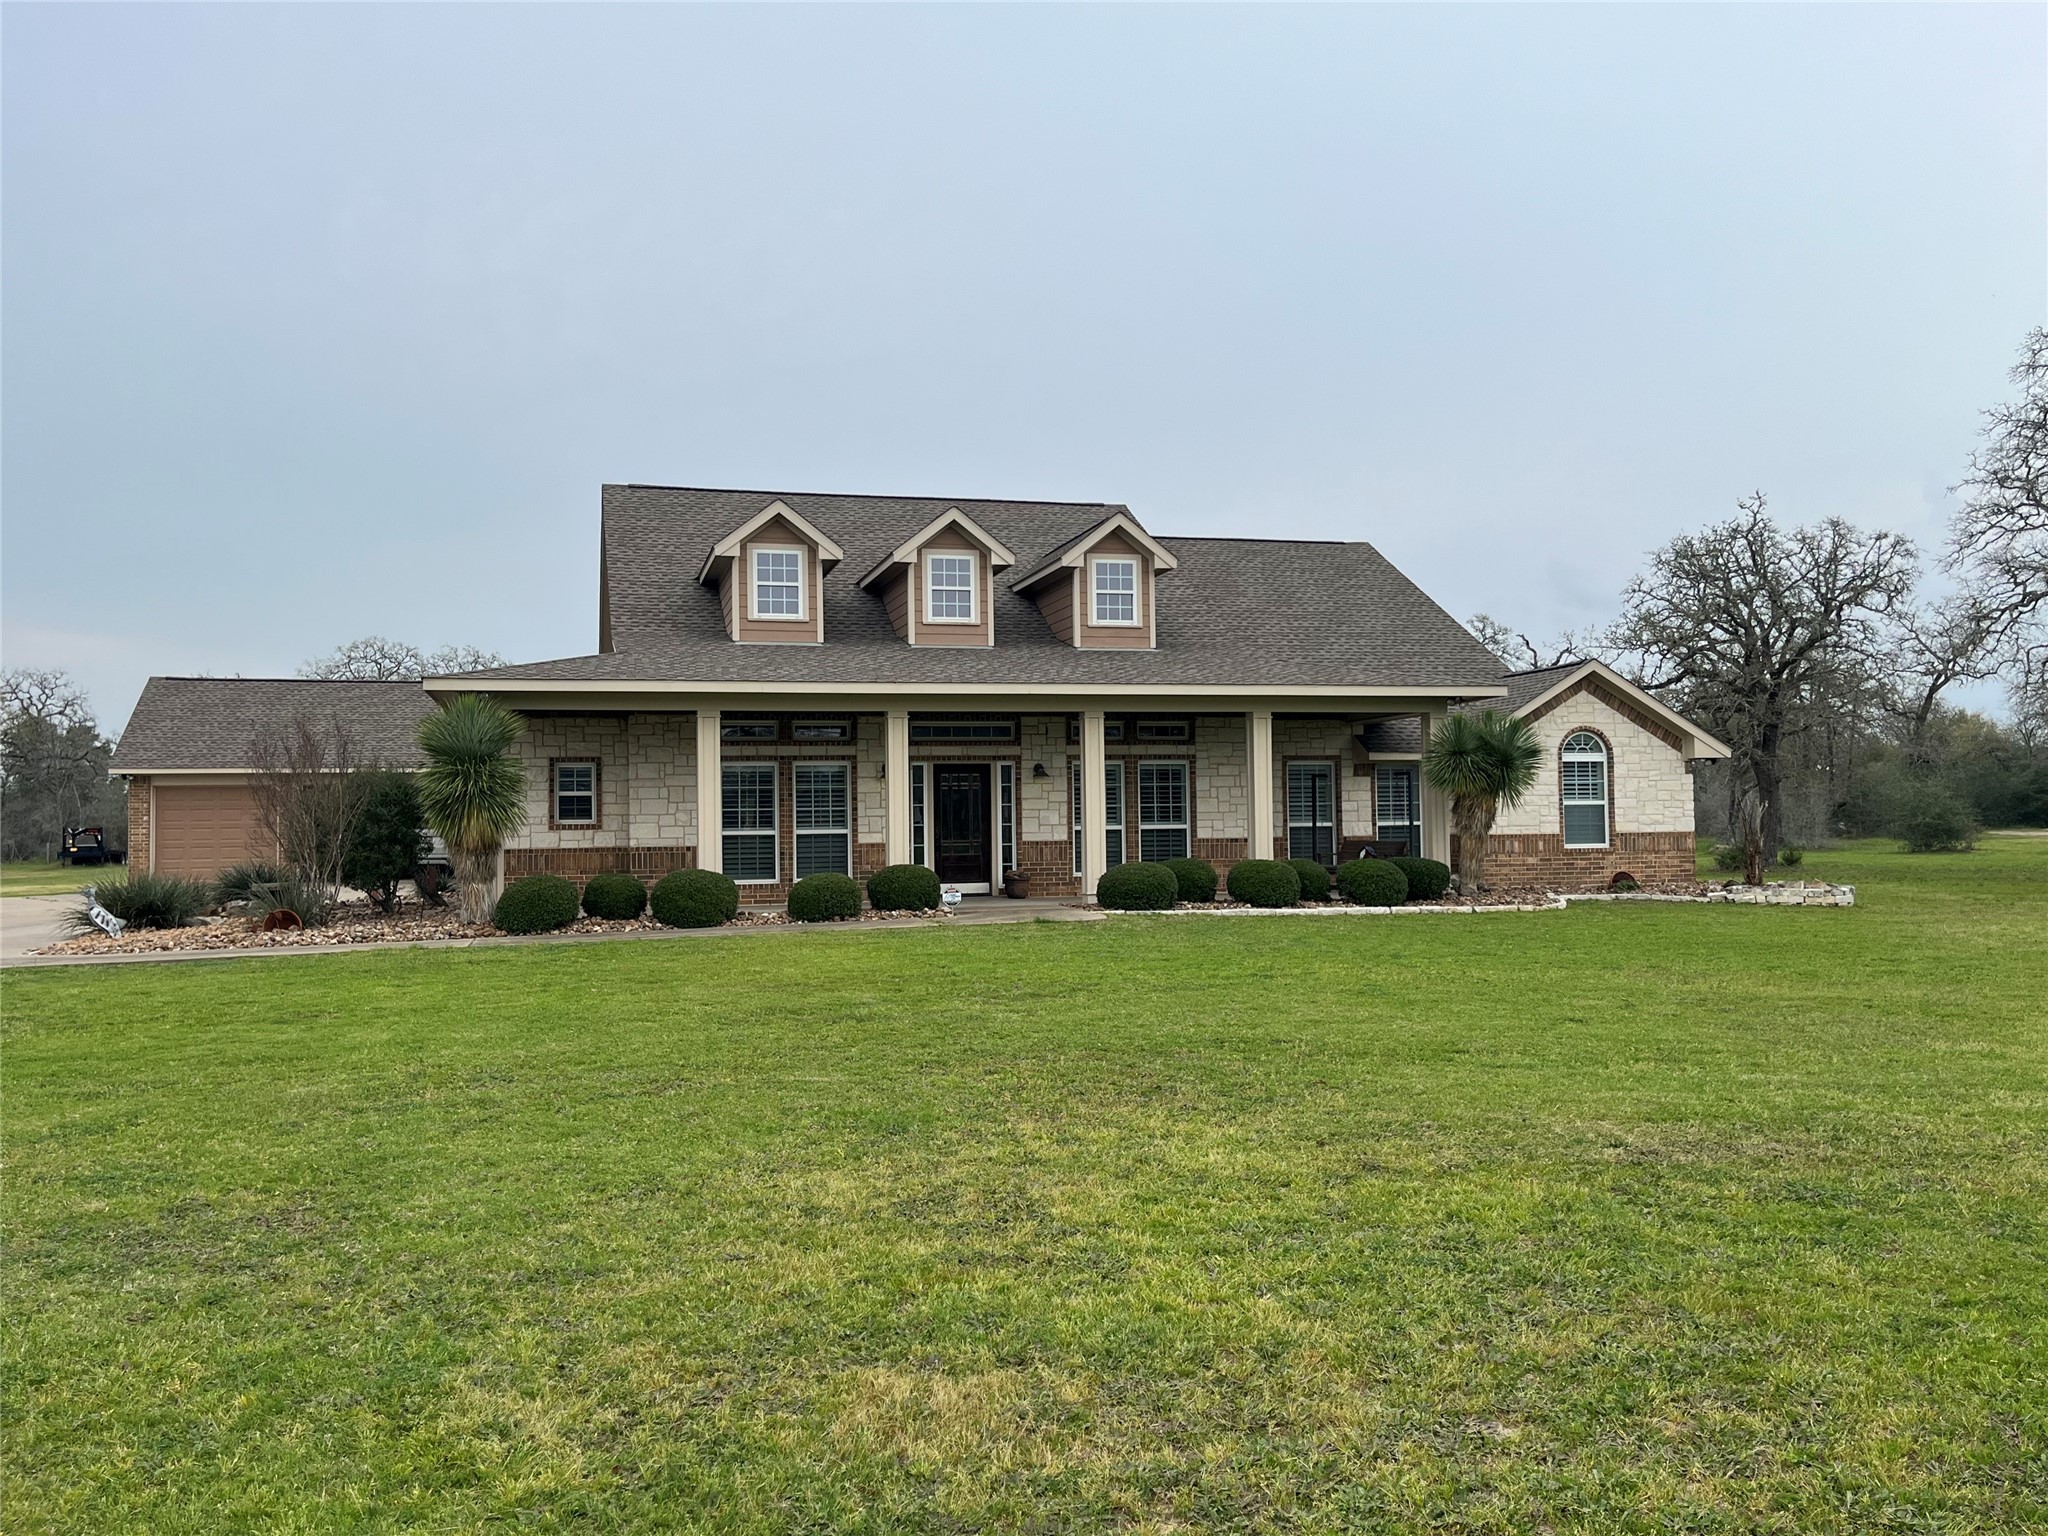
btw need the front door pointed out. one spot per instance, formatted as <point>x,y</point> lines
<point>960,803</point>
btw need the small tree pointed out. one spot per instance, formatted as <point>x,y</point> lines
<point>473,792</point>
<point>1486,763</point>
<point>310,790</point>
<point>1999,540</point>
<point>387,844</point>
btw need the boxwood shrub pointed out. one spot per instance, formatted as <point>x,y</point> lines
<point>694,898</point>
<point>536,904</point>
<point>903,888</point>
<point>1138,888</point>
<point>1195,877</point>
<point>1264,882</point>
<point>1372,882</point>
<point>1427,878</point>
<point>618,897</point>
<point>1315,878</point>
<point>823,898</point>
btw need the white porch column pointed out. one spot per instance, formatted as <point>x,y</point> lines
<point>1436,807</point>
<point>896,785</point>
<point>710,793</point>
<point>1259,749</point>
<point>1094,799</point>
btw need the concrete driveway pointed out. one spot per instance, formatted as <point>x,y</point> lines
<point>29,922</point>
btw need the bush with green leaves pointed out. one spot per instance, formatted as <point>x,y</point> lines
<point>1264,883</point>
<point>387,841</point>
<point>1372,882</point>
<point>311,902</point>
<point>144,900</point>
<point>1427,878</point>
<point>1937,822</point>
<point>1137,888</point>
<point>1728,858</point>
<point>694,898</point>
<point>1315,878</point>
<point>1196,878</point>
<point>537,904</point>
<point>903,888</point>
<point>617,897</point>
<point>239,882</point>
<point>1791,856</point>
<point>824,898</point>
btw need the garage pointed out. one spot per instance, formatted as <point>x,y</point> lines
<point>199,830</point>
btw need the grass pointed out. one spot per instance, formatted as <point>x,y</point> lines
<point>1629,1218</point>
<point>46,877</point>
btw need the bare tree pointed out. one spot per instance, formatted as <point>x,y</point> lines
<point>310,788</point>
<point>1935,648</point>
<point>1753,626</point>
<point>53,766</point>
<point>375,659</point>
<point>1518,652</point>
<point>1999,539</point>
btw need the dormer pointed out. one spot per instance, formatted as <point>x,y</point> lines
<point>939,584</point>
<point>770,574</point>
<point>1097,591</point>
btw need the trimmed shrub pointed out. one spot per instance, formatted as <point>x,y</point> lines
<point>144,900</point>
<point>1264,882</point>
<point>824,898</point>
<point>1138,888</point>
<point>1315,878</point>
<point>1372,882</point>
<point>694,898</point>
<point>903,888</point>
<point>536,904</point>
<point>238,882</point>
<point>1196,878</point>
<point>1427,878</point>
<point>617,897</point>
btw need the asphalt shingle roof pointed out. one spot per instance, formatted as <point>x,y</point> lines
<point>1238,612</point>
<point>211,722</point>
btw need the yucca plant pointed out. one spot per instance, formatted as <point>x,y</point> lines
<point>473,792</point>
<point>1486,763</point>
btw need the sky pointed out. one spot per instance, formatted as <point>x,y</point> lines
<point>321,321</point>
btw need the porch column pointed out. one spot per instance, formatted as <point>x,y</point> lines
<point>1259,748</point>
<point>710,793</point>
<point>1094,799</point>
<point>896,785</point>
<point>1436,808</point>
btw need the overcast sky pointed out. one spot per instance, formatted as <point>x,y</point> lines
<point>325,321</point>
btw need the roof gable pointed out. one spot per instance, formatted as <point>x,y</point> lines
<point>1533,694</point>
<point>1075,551</point>
<point>905,553</point>
<point>728,548</point>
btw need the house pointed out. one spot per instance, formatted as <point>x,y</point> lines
<point>787,683</point>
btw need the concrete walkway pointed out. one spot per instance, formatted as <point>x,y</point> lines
<point>41,929</point>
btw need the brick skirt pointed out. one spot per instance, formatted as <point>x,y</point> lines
<point>1543,859</point>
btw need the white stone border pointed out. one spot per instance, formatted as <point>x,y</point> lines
<point>1804,894</point>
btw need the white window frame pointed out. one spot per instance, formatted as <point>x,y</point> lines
<point>1006,818</point>
<point>919,852</point>
<point>1328,770</point>
<point>931,556</point>
<point>1114,769</point>
<point>1566,799</point>
<point>1096,592</point>
<point>1186,825</point>
<point>555,789</point>
<point>773,831</point>
<point>754,554</point>
<point>1407,828</point>
<point>799,832</point>
<point>963,732</point>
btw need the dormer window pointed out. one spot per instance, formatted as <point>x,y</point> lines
<point>1116,591</point>
<point>950,584</point>
<point>778,582</point>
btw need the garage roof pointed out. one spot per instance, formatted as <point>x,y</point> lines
<point>201,724</point>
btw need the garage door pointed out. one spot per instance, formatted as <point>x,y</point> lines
<point>202,829</point>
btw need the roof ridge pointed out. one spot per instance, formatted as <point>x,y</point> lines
<point>748,490</point>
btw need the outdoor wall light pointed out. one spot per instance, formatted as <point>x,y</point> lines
<point>1038,771</point>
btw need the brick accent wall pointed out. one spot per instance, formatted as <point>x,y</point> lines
<point>579,864</point>
<point>1542,859</point>
<point>138,823</point>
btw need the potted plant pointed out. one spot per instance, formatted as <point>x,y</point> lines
<point>1016,884</point>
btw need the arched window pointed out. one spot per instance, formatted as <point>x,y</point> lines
<point>1583,773</point>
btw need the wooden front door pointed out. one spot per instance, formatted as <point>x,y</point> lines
<point>961,804</point>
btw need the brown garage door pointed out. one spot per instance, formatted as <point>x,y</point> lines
<point>202,829</point>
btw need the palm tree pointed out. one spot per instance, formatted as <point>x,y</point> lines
<point>473,793</point>
<point>1486,763</point>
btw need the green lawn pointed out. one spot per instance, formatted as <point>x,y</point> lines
<point>46,877</point>
<point>1632,1218</point>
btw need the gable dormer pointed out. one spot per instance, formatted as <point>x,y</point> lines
<point>1097,592</point>
<point>938,585</point>
<point>770,575</point>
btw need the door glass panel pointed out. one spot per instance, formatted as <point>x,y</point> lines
<point>1311,812</point>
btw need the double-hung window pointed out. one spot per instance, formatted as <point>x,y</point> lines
<point>749,824</point>
<point>1312,812</point>
<point>1116,591</point>
<point>1162,811</point>
<point>1113,819</point>
<point>575,794</point>
<point>1582,771</point>
<point>821,800</point>
<point>778,583</point>
<point>949,589</point>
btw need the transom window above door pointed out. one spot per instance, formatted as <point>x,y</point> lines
<point>778,583</point>
<point>950,589</point>
<point>1116,591</point>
